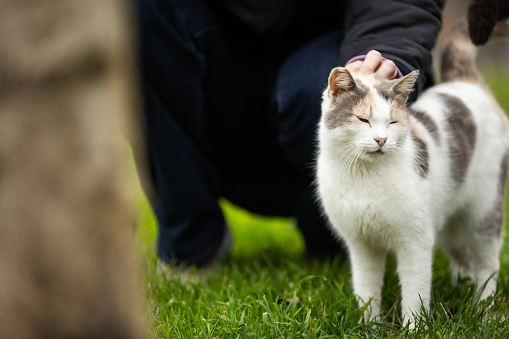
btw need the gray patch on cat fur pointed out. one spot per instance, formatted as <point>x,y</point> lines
<point>462,257</point>
<point>494,221</point>
<point>344,104</point>
<point>462,135</point>
<point>422,156</point>
<point>384,89</point>
<point>427,122</point>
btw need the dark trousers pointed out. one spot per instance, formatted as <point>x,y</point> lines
<point>229,114</point>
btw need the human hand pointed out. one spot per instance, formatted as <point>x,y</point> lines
<point>374,63</point>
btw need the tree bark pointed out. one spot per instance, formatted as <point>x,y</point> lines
<point>67,102</point>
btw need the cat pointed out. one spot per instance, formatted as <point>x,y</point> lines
<point>399,179</point>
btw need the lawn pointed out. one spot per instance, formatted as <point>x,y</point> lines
<point>268,289</point>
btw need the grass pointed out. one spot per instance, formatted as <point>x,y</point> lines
<point>267,289</point>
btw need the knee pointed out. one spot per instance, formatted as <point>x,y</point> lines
<point>298,91</point>
<point>297,100</point>
<point>297,95</point>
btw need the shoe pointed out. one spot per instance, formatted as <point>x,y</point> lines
<point>194,273</point>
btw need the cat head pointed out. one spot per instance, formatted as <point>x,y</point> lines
<point>366,114</point>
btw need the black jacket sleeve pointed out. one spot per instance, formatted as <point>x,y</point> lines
<point>404,31</point>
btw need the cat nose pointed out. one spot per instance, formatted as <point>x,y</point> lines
<point>380,141</point>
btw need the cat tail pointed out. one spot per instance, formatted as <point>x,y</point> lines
<point>483,15</point>
<point>457,59</point>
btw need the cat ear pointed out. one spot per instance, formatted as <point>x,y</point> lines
<point>403,87</point>
<point>340,80</point>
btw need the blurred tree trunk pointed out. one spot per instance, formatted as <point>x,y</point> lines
<point>66,210</point>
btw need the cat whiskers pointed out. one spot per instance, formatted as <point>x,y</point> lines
<point>351,159</point>
<point>421,164</point>
<point>353,162</point>
<point>398,152</point>
<point>343,152</point>
<point>402,153</point>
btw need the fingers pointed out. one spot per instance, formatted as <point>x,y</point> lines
<point>374,63</point>
<point>354,66</point>
<point>387,70</point>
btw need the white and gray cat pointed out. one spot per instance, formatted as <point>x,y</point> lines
<point>399,179</point>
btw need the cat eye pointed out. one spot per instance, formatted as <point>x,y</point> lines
<point>392,122</point>
<point>362,119</point>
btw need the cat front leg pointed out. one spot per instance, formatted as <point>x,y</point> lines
<point>415,272</point>
<point>368,267</point>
